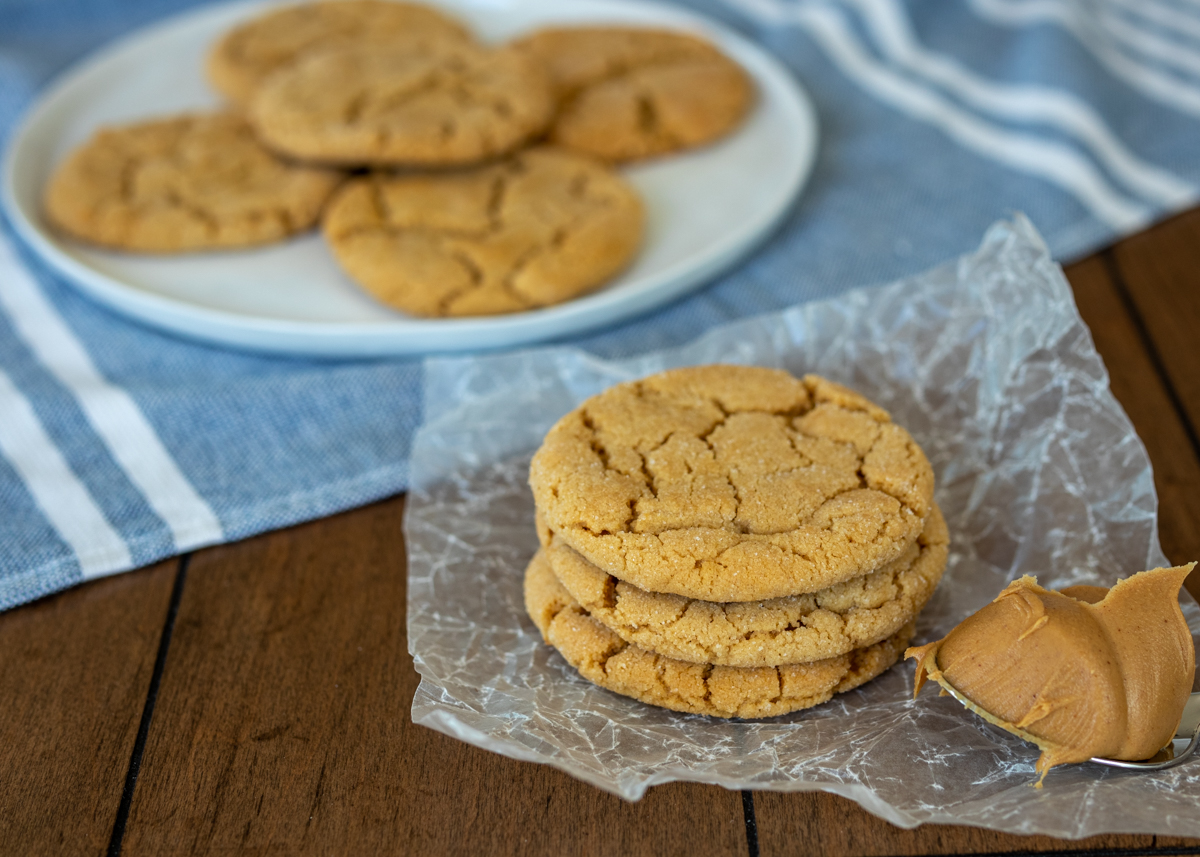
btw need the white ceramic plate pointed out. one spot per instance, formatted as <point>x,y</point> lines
<point>707,208</point>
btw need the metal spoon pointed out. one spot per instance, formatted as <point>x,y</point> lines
<point>1182,746</point>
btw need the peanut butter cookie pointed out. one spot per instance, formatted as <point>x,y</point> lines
<point>543,226</point>
<point>732,483</point>
<point>795,629</point>
<point>439,103</point>
<point>629,93</point>
<point>248,54</point>
<point>605,659</point>
<point>186,183</point>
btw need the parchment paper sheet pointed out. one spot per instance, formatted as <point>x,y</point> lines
<point>987,362</point>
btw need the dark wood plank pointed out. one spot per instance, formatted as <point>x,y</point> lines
<point>1161,270</point>
<point>282,725</point>
<point>830,825</point>
<point>74,671</point>
<point>1158,275</point>
<point>1146,398</point>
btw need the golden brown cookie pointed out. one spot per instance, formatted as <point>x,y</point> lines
<point>795,629</point>
<point>732,483</point>
<point>629,93</point>
<point>249,53</point>
<point>542,227</point>
<point>605,659</point>
<point>439,103</point>
<point>193,182</point>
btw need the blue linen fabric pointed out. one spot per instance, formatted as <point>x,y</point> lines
<point>936,117</point>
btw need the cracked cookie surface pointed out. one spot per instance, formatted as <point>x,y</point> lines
<point>245,56</point>
<point>732,483</point>
<point>539,228</point>
<point>628,93</point>
<point>439,103</point>
<point>795,629</point>
<point>606,660</point>
<point>192,182</point>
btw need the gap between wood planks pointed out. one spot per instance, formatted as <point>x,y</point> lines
<point>139,744</point>
<point>751,823</point>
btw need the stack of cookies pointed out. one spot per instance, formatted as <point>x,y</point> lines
<point>731,541</point>
<point>451,177</point>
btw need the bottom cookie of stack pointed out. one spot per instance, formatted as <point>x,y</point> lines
<point>604,659</point>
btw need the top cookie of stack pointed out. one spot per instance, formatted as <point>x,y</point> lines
<point>730,483</point>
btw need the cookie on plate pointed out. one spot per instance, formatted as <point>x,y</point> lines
<point>541,227</point>
<point>606,660</point>
<point>439,103</point>
<point>245,56</point>
<point>794,629</point>
<point>732,483</point>
<point>629,93</point>
<point>194,182</point>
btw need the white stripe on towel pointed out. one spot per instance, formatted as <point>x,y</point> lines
<point>109,408</point>
<point>1172,19</point>
<point>890,28</point>
<point>1166,88</point>
<point>1052,162</point>
<point>1158,49</point>
<point>63,499</point>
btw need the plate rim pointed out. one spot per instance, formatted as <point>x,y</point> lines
<point>404,336</point>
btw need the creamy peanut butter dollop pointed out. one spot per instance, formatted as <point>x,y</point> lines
<point>1080,673</point>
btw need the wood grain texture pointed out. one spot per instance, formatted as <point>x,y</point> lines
<point>74,671</point>
<point>830,825</point>
<point>1143,393</point>
<point>1157,275</point>
<point>282,726</point>
<point>1160,269</point>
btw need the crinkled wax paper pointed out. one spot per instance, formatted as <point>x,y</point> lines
<point>987,362</point>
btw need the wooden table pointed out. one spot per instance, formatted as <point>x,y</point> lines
<point>254,698</point>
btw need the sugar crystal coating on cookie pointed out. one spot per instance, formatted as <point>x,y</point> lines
<point>439,103</point>
<point>536,229</point>
<point>629,93</point>
<point>248,54</point>
<point>732,483</point>
<point>794,629</point>
<point>190,182</point>
<point>604,659</point>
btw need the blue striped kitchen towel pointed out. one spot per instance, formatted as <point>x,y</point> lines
<point>120,445</point>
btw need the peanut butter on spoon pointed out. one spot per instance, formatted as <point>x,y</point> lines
<point>1080,673</point>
